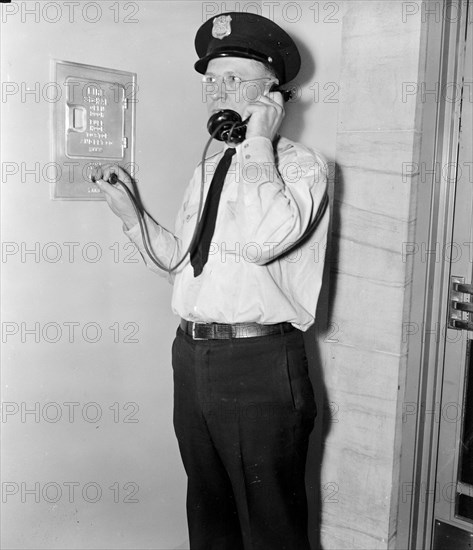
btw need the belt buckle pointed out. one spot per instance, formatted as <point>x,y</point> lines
<point>194,337</point>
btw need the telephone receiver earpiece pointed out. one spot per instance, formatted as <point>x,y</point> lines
<point>286,94</point>
<point>227,125</point>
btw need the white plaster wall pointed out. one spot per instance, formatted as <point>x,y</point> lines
<point>159,48</point>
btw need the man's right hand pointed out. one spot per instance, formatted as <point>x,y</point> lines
<point>115,196</point>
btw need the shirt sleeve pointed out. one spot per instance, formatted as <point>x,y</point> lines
<point>166,245</point>
<point>278,199</point>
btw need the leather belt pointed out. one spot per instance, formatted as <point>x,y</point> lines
<point>221,331</point>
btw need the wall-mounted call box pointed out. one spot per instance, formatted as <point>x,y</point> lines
<point>93,123</point>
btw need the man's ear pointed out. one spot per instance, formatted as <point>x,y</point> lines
<point>270,84</point>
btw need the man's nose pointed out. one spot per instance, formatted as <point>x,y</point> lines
<point>214,90</point>
<point>219,90</point>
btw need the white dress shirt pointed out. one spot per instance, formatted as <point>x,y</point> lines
<point>268,201</point>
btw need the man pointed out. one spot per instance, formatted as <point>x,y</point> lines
<point>243,401</point>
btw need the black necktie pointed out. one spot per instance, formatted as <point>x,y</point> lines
<point>200,251</point>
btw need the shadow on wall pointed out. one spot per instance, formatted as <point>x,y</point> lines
<point>323,330</point>
<point>297,117</point>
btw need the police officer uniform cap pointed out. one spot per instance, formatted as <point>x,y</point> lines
<point>238,34</point>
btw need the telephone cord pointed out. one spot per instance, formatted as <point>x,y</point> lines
<point>142,223</point>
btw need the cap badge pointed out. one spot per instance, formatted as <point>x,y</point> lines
<point>221,26</point>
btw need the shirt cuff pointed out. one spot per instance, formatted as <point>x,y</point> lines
<point>258,165</point>
<point>133,231</point>
<point>257,149</point>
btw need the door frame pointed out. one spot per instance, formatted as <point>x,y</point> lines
<point>440,63</point>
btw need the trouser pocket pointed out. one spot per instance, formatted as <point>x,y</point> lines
<point>296,372</point>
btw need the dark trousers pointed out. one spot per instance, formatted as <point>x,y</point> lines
<point>243,412</point>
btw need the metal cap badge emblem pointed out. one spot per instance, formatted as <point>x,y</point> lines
<point>221,26</point>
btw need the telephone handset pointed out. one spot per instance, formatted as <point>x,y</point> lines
<point>227,125</point>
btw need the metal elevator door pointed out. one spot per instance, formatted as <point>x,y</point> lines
<point>453,508</point>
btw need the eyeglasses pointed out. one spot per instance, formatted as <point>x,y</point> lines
<point>232,82</point>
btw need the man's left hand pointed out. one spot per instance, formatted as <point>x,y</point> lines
<point>267,113</point>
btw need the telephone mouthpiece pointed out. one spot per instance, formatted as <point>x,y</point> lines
<point>226,125</point>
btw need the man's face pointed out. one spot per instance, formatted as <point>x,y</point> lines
<point>233,83</point>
